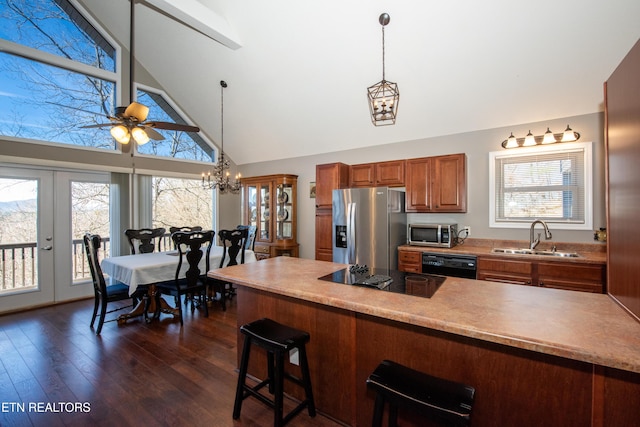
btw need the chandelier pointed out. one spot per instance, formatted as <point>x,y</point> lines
<point>219,176</point>
<point>384,95</point>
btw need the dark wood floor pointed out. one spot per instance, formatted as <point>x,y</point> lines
<point>134,374</point>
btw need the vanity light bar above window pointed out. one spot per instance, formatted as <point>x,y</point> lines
<point>548,138</point>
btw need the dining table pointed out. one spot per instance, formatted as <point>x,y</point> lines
<point>147,269</point>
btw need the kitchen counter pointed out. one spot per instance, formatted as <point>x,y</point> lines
<point>590,253</point>
<point>524,348</point>
<point>580,326</point>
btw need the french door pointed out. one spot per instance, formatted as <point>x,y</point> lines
<point>42,215</point>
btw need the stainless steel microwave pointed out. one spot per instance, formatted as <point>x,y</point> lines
<point>441,235</point>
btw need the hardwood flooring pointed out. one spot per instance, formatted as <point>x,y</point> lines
<point>54,371</point>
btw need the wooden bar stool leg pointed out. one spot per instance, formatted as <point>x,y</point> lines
<point>278,379</point>
<point>270,368</point>
<point>378,411</point>
<point>306,378</point>
<point>242,375</point>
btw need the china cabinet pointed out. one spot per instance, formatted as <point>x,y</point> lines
<point>270,204</point>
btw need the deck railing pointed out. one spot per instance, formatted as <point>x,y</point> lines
<point>18,262</point>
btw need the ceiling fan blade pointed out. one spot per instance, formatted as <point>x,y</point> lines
<point>173,126</point>
<point>137,111</point>
<point>99,125</point>
<point>153,134</point>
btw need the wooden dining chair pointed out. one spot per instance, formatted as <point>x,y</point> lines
<point>233,244</point>
<point>185,229</point>
<point>192,246</point>
<point>143,240</point>
<point>251,237</point>
<point>105,293</point>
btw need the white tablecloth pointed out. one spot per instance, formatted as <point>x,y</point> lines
<point>144,269</point>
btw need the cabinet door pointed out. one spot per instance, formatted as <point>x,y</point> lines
<point>572,276</point>
<point>410,261</point>
<point>324,235</point>
<point>505,270</point>
<point>285,211</point>
<point>449,189</point>
<point>389,174</point>
<point>362,175</point>
<point>329,177</point>
<point>417,183</point>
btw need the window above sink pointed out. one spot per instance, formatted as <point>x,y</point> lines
<point>554,184</point>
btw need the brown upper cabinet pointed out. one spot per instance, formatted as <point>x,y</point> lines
<point>329,177</point>
<point>380,174</point>
<point>437,184</point>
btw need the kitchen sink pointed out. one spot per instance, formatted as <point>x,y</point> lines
<point>524,251</point>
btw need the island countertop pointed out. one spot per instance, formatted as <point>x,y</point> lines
<point>575,325</point>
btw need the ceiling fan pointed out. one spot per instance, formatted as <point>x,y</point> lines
<point>130,121</point>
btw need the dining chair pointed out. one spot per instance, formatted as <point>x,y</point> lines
<point>142,240</point>
<point>233,244</point>
<point>186,229</point>
<point>251,238</point>
<point>192,246</point>
<point>104,293</point>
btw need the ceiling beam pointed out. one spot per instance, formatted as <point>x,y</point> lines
<point>199,17</point>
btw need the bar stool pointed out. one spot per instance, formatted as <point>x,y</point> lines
<point>277,340</point>
<point>440,400</point>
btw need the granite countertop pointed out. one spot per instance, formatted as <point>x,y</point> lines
<point>590,253</point>
<point>582,326</point>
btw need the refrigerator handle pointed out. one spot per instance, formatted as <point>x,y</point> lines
<point>351,233</point>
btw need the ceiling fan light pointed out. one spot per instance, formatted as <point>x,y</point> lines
<point>121,134</point>
<point>139,135</point>
<point>138,111</point>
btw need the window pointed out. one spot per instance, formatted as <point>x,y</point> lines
<point>550,183</point>
<point>179,145</point>
<point>180,202</point>
<point>57,74</point>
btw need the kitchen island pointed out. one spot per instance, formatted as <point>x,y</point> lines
<point>535,356</point>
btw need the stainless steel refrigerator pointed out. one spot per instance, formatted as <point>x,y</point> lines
<point>368,226</point>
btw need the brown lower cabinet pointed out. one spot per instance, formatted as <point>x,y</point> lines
<point>574,276</point>
<point>410,261</point>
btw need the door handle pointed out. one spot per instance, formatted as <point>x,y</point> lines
<point>47,248</point>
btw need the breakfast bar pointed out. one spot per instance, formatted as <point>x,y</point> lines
<point>536,356</point>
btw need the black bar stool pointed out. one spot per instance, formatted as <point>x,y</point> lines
<point>277,340</point>
<point>441,400</point>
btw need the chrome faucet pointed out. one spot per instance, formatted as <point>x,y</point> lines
<point>547,234</point>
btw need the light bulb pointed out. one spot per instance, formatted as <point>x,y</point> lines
<point>121,134</point>
<point>549,138</point>
<point>568,135</point>
<point>140,135</point>
<point>529,140</point>
<point>512,142</point>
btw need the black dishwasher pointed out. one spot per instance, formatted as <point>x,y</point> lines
<point>449,265</point>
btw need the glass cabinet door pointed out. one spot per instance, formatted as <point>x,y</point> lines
<point>284,207</point>
<point>263,213</point>
<point>252,205</point>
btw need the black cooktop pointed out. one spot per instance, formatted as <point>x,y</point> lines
<point>422,285</point>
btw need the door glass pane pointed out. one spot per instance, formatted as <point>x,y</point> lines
<point>89,214</point>
<point>18,234</point>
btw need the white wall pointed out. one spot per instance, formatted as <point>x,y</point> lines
<point>476,145</point>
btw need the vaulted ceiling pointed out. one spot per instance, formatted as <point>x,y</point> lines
<point>297,82</point>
